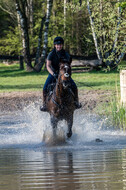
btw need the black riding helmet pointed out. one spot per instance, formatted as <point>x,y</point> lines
<point>58,40</point>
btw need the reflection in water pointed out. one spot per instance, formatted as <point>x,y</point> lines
<point>28,162</point>
<point>67,170</point>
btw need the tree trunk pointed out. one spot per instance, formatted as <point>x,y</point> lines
<point>114,49</point>
<point>101,27</point>
<point>39,42</point>
<point>117,30</point>
<point>122,53</point>
<point>31,16</point>
<point>77,36</point>
<point>25,35</point>
<point>93,31</point>
<point>65,1</point>
<point>39,66</point>
<point>21,63</point>
<point>80,1</point>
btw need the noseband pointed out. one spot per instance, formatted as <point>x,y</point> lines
<point>66,74</point>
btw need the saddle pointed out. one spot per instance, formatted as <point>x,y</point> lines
<point>51,87</point>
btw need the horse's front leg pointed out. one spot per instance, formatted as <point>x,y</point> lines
<point>54,122</point>
<point>70,124</point>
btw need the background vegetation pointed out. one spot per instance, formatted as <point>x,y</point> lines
<point>89,27</point>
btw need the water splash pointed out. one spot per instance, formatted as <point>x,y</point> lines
<point>31,128</point>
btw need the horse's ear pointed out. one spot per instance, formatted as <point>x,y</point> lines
<point>61,65</point>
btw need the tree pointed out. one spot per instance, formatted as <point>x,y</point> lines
<point>93,30</point>
<point>44,51</point>
<point>110,35</point>
<point>8,7</point>
<point>39,41</point>
<point>88,27</point>
<point>21,7</point>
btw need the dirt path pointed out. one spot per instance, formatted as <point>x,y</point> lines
<point>13,101</point>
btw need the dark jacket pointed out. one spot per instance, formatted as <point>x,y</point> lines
<point>55,56</point>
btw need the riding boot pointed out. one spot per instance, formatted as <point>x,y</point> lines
<point>76,99</point>
<point>43,107</point>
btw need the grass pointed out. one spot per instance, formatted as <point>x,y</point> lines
<point>14,79</point>
<point>97,80</point>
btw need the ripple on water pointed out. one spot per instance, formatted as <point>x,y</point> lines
<point>31,159</point>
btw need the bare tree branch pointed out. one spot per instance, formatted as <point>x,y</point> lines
<point>6,10</point>
<point>93,31</point>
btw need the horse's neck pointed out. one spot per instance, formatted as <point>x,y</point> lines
<point>59,90</point>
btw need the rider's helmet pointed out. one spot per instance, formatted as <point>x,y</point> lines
<point>58,40</point>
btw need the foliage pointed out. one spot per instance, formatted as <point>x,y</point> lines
<point>12,42</point>
<point>117,113</point>
<point>78,41</point>
<point>109,23</point>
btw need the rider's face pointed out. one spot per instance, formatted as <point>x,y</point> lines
<point>58,46</point>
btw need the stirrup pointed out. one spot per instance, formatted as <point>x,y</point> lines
<point>43,108</point>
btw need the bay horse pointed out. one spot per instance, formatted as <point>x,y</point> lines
<point>60,104</point>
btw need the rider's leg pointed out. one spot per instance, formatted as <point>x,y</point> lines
<point>49,80</point>
<point>75,91</point>
<point>43,107</point>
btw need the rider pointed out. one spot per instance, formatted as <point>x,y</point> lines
<point>53,60</point>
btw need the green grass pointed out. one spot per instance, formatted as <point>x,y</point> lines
<point>14,79</point>
<point>97,80</point>
<point>116,113</point>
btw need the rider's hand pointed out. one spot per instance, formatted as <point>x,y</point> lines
<point>55,75</point>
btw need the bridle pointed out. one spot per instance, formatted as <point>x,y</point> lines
<point>66,74</point>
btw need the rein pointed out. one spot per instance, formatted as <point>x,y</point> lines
<point>62,82</point>
<point>53,100</point>
<point>57,104</point>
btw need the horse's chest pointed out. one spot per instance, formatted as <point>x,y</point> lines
<point>65,109</point>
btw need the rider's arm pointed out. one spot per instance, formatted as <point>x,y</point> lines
<point>49,67</point>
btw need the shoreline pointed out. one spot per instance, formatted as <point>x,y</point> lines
<point>14,101</point>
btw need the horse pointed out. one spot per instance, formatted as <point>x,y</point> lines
<point>60,103</point>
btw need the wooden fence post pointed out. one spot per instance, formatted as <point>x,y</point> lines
<point>123,86</point>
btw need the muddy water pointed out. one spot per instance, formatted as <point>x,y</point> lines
<point>30,159</point>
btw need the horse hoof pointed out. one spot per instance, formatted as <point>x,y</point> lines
<point>69,134</point>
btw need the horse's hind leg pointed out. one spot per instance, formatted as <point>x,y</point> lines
<point>54,124</point>
<point>69,123</point>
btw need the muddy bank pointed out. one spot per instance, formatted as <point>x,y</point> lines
<point>13,101</point>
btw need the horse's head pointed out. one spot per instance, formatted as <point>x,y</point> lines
<point>65,73</point>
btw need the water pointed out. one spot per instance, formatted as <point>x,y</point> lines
<point>30,159</point>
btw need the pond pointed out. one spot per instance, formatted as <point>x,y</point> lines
<point>29,159</point>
